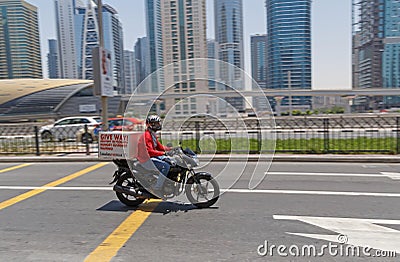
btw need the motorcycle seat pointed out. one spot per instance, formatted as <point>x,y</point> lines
<point>136,166</point>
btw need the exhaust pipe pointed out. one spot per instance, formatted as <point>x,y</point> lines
<point>131,192</point>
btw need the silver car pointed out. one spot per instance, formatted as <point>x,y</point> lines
<point>66,128</point>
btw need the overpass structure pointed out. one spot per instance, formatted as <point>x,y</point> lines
<point>351,93</point>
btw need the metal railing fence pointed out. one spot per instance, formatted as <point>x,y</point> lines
<point>306,135</point>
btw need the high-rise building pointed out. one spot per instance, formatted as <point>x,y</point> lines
<point>87,37</point>
<point>289,46</point>
<point>129,66</point>
<point>154,34</point>
<point>114,41</point>
<point>259,59</point>
<point>19,40</point>
<point>52,59</point>
<point>259,67</point>
<point>229,32</point>
<point>376,48</point>
<point>213,64</point>
<point>86,33</point>
<point>229,36</point>
<point>184,35</point>
<point>213,74</point>
<point>67,53</point>
<point>141,60</point>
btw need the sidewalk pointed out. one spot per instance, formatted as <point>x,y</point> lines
<point>221,158</point>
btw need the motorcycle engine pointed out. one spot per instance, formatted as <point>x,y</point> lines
<point>173,177</point>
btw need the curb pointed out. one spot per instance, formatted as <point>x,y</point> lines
<point>225,158</point>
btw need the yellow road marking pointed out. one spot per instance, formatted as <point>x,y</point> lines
<point>13,168</point>
<point>34,192</point>
<point>110,246</point>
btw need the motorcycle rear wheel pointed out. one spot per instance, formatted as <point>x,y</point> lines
<point>127,180</point>
<point>199,186</point>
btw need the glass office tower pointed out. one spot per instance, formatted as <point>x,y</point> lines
<point>52,59</point>
<point>228,15</point>
<point>376,50</point>
<point>154,49</point>
<point>19,40</point>
<point>229,31</point>
<point>289,46</point>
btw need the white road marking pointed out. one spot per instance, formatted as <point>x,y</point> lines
<point>358,232</point>
<point>394,176</point>
<point>323,174</point>
<point>234,190</point>
<point>55,188</point>
<point>305,192</point>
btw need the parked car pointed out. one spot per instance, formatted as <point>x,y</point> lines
<point>114,124</point>
<point>66,128</point>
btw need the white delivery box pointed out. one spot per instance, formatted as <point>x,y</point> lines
<point>118,145</point>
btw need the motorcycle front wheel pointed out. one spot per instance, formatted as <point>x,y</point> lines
<point>202,190</point>
<point>128,181</point>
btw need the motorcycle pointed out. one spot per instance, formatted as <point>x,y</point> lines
<point>132,180</point>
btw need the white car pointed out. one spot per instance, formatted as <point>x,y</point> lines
<point>66,128</point>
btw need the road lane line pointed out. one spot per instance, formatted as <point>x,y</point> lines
<point>84,188</point>
<point>14,167</point>
<point>113,243</point>
<point>305,192</point>
<point>39,190</point>
<point>323,174</point>
<point>392,175</point>
<point>234,190</point>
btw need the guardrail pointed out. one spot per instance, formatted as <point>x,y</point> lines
<point>305,135</point>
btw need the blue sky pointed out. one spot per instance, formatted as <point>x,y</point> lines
<point>331,33</point>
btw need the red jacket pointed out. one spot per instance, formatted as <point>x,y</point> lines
<point>148,148</point>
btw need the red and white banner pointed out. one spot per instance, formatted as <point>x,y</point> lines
<point>118,145</point>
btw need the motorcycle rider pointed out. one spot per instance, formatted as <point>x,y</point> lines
<point>152,153</point>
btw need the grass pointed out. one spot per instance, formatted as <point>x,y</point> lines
<point>343,146</point>
<point>360,145</point>
<point>303,146</point>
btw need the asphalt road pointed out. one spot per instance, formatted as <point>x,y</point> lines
<point>297,206</point>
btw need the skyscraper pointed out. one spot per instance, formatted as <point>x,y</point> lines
<point>129,67</point>
<point>213,64</point>
<point>87,38</point>
<point>213,74</point>
<point>289,46</point>
<point>184,35</point>
<point>86,34</point>
<point>141,60</point>
<point>229,36</point>
<point>19,40</point>
<point>52,59</point>
<point>67,53</point>
<point>154,34</point>
<point>113,41</point>
<point>229,31</point>
<point>259,59</point>
<point>259,67</point>
<point>376,47</point>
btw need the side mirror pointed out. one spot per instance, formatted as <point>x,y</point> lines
<point>169,145</point>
